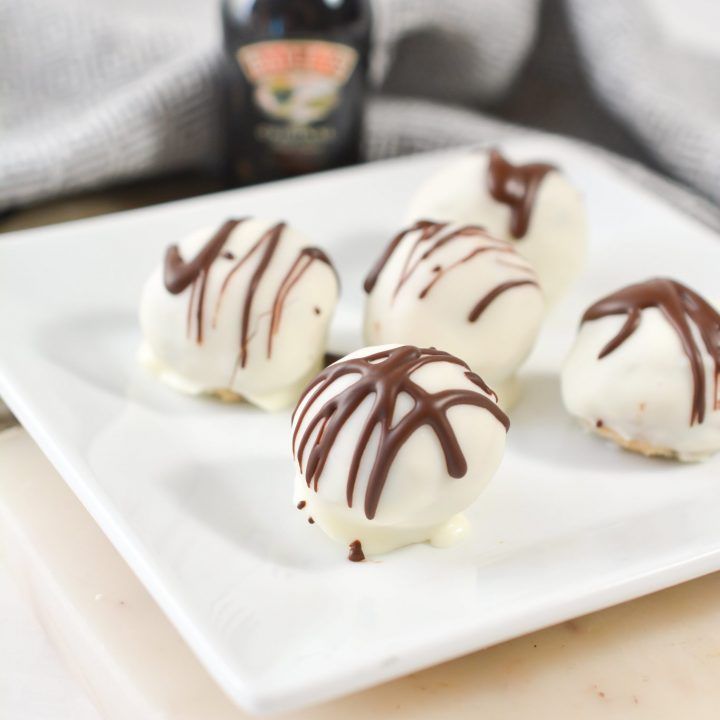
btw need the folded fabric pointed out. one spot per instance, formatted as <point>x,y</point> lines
<point>92,92</point>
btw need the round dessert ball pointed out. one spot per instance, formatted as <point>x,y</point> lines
<point>533,206</point>
<point>391,443</point>
<point>644,370</point>
<point>239,311</point>
<point>459,288</point>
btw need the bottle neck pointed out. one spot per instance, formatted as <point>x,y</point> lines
<point>286,18</point>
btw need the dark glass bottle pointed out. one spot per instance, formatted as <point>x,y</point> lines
<point>296,76</point>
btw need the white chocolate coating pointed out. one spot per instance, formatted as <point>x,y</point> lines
<point>497,342</point>
<point>642,391</point>
<point>556,238</point>
<point>272,377</point>
<point>420,501</point>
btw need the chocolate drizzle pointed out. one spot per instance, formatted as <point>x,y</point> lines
<point>427,230</point>
<point>270,239</point>
<point>515,186</point>
<point>432,232</point>
<point>356,552</point>
<point>498,290</point>
<point>179,275</point>
<point>429,233</point>
<point>682,308</point>
<point>385,375</point>
<point>303,261</point>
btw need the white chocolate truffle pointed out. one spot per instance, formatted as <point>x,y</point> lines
<point>532,205</point>
<point>391,443</point>
<point>458,288</point>
<point>239,311</point>
<point>644,371</point>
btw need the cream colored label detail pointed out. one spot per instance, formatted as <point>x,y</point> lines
<point>298,81</point>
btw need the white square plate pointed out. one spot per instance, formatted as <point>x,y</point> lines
<point>197,495</point>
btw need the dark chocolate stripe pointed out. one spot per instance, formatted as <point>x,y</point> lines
<point>270,239</point>
<point>302,262</point>
<point>440,272</point>
<point>515,186</point>
<point>429,231</point>
<point>498,290</point>
<point>410,267</point>
<point>178,274</point>
<point>680,306</point>
<point>426,226</point>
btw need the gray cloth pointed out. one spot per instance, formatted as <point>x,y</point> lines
<point>96,91</point>
<point>402,127</point>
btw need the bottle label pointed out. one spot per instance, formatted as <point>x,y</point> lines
<point>297,81</point>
